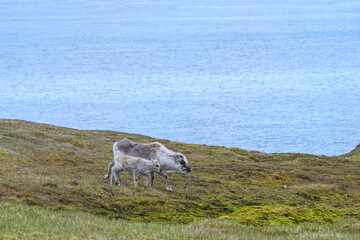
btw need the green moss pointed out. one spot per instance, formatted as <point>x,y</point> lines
<point>280,215</point>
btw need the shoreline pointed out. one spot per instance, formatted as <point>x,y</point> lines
<point>349,154</point>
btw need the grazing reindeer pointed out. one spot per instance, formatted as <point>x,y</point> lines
<point>169,160</point>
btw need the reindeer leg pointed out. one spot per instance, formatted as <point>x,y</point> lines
<point>147,179</point>
<point>112,178</point>
<point>165,177</point>
<point>135,174</point>
<point>111,164</point>
<point>116,176</point>
<point>152,180</point>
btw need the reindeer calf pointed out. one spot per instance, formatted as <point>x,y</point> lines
<point>136,165</point>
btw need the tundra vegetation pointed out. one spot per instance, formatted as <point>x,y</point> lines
<point>59,171</point>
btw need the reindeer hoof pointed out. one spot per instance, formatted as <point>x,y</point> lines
<point>169,189</point>
<point>106,176</point>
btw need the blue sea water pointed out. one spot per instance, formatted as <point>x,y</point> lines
<point>273,76</point>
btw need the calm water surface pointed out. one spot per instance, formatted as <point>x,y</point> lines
<point>273,76</point>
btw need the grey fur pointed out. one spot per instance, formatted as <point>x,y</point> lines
<point>136,165</point>
<point>169,160</point>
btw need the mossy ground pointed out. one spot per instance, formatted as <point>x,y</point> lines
<point>62,168</point>
<point>18,221</point>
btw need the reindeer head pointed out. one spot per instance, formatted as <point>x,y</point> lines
<point>156,165</point>
<point>182,163</point>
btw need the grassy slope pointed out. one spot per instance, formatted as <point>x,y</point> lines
<point>354,154</point>
<point>25,222</point>
<point>62,168</point>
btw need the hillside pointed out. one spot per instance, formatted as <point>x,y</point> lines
<point>62,168</point>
